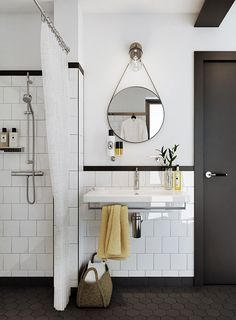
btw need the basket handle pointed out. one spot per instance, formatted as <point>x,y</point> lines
<point>91,269</point>
<point>93,256</point>
<point>92,260</point>
<point>97,282</point>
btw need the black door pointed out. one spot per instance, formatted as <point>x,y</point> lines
<point>216,214</point>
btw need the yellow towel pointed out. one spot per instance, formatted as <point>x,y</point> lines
<point>114,233</point>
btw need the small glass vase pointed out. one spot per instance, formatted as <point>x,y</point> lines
<point>168,178</point>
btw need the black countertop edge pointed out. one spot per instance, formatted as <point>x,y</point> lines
<point>133,168</point>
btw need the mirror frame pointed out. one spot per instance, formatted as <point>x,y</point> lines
<point>139,141</point>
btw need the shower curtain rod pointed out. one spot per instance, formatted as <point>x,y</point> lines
<point>52,27</point>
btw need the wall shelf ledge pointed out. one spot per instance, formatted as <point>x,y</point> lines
<point>9,149</point>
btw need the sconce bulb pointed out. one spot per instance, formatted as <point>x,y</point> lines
<point>136,65</point>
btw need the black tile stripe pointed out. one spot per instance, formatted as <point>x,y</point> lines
<point>26,281</point>
<point>152,281</point>
<point>132,168</point>
<point>71,65</point>
<point>76,65</point>
<point>117,281</point>
<point>20,72</point>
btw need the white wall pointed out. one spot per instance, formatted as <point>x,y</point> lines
<point>169,42</point>
<point>20,41</point>
<point>69,21</point>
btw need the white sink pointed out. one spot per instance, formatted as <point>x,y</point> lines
<point>144,195</point>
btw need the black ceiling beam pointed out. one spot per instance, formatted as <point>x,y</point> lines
<point>213,13</point>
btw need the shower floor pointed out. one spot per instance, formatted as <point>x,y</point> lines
<point>215,302</point>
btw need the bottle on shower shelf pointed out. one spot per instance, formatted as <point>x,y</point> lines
<point>13,138</point>
<point>4,138</point>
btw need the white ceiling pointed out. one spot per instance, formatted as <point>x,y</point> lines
<point>109,6</point>
<point>141,6</point>
<point>24,6</point>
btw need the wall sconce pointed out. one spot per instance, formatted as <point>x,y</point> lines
<point>136,52</point>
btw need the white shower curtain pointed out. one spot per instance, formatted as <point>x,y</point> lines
<point>56,95</point>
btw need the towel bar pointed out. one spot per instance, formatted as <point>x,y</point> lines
<point>168,207</point>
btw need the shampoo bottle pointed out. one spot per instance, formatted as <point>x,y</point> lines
<point>111,144</point>
<point>177,179</point>
<point>4,138</point>
<point>13,138</point>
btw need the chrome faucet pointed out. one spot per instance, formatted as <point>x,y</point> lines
<point>136,179</point>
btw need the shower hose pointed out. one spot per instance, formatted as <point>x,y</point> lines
<point>33,162</point>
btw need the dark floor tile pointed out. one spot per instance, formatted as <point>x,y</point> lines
<point>212,302</point>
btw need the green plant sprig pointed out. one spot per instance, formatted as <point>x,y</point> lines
<point>167,156</point>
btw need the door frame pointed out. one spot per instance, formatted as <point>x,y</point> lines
<point>200,58</point>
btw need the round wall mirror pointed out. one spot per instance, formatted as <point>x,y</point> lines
<point>135,114</point>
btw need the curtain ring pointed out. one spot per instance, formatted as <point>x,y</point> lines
<point>43,18</point>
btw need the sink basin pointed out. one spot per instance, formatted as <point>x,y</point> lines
<point>126,195</point>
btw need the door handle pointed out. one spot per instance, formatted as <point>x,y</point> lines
<point>210,174</point>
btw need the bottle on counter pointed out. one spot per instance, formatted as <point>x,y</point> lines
<point>119,148</point>
<point>177,179</point>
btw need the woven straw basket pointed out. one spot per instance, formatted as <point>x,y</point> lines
<point>96,294</point>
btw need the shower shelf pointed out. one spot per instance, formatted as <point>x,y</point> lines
<point>9,149</point>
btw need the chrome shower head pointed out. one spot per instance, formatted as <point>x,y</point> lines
<point>27,98</point>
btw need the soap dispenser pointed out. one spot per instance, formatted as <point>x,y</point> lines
<point>177,179</point>
<point>4,138</point>
<point>111,144</point>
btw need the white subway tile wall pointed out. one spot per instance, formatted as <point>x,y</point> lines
<point>26,243</point>
<point>166,246</point>
<point>26,232</point>
<point>76,153</point>
<point>78,113</point>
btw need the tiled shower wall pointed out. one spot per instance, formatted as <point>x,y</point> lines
<point>26,231</point>
<point>166,246</point>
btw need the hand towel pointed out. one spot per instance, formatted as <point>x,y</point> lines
<point>114,239</point>
<point>103,232</point>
